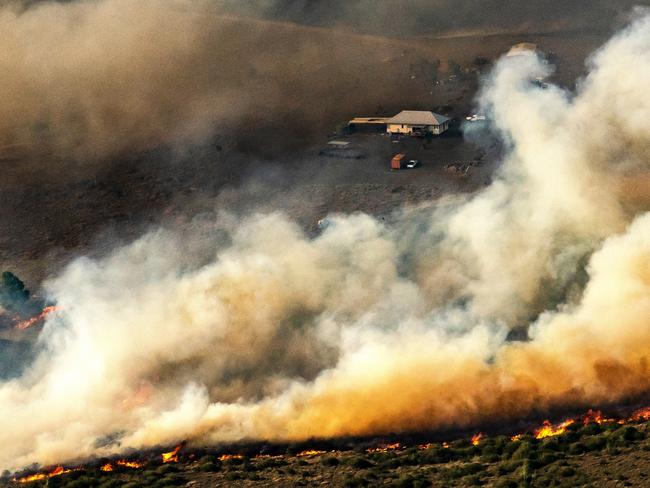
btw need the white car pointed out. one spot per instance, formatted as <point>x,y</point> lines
<point>475,118</point>
<point>413,163</point>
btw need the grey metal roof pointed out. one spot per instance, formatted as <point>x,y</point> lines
<point>418,117</point>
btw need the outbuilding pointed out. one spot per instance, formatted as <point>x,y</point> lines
<point>417,123</point>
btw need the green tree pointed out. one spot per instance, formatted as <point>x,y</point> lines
<point>13,294</point>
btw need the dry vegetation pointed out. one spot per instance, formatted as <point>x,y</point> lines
<point>604,455</point>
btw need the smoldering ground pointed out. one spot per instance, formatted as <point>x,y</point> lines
<point>235,329</point>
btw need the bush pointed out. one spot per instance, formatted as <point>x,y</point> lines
<point>233,476</point>
<point>551,445</point>
<point>410,481</point>
<point>463,470</point>
<point>566,471</point>
<point>595,443</point>
<point>355,481</point>
<point>210,467</point>
<point>330,461</point>
<point>577,448</point>
<point>590,429</point>
<point>524,451</point>
<point>171,480</point>
<point>490,458</point>
<point>358,463</point>
<point>111,484</point>
<point>13,293</point>
<point>270,463</point>
<point>508,466</point>
<point>167,468</point>
<point>628,434</point>
<point>547,458</point>
<point>83,482</point>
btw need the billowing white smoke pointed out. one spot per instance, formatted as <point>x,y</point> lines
<point>255,330</point>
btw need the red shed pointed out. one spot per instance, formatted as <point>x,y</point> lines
<point>398,161</point>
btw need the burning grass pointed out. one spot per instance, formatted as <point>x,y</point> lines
<point>565,453</point>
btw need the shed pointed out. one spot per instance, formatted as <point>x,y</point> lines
<point>417,122</point>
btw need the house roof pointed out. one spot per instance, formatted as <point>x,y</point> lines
<point>522,48</point>
<point>418,117</point>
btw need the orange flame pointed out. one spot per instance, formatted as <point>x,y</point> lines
<point>597,417</point>
<point>107,467</point>
<point>641,414</point>
<point>385,448</point>
<point>310,452</point>
<point>445,445</point>
<point>476,439</point>
<point>26,324</point>
<point>550,430</point>
<point>226,457</point>
<point>59,470</point>
<point>129,464</point>
<point>516,437</point>
<point>172,456</point>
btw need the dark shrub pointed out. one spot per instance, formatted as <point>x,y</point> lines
<point>550,444</point>
<point>355,482</point>
<point>490,458</point>
<point>577,448</point>
<point>330,461</point>
<point>233,476</point>
<point>167,468</point>
<point>590,429</point>
<point>172,480</point>
<point>269,463</point>
<point>595,443</point>
<point>13,293</point>
<point>111,484</point>
<point>628,433</point>
<point>83,482</point>
<point>210,467</point>
<point>547,458</point>
<point>524,451</point>
<point>358,463</point>
<point>508,466</point>
<point>567,471</point>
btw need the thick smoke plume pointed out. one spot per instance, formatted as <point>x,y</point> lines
<point>255,330</point>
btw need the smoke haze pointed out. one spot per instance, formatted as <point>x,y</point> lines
<point>92,80</point>
<point>238,329</point>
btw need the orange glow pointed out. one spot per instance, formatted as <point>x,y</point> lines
<point>476,439</point>
<point>597,417</point>
<point>516,437</point>
<point>310,452</point>
<point>445,445</point>
<point>107,467</point>
<point>172,456</point>
<point>226,457</point>
<point>641,414</point>
<point>388,447</point>
<point>550,430</point>
<point>129,464</point>
<point>59,470</point>
<point>26,324</point>
<point>428,445</point>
